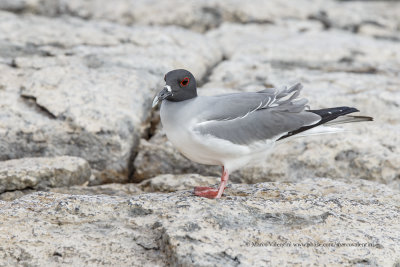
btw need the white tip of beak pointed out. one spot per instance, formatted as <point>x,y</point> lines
<point>167,91</point>
<point>155,101</point>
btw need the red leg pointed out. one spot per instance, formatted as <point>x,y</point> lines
<point>210,192</point>
<point>224,181</point>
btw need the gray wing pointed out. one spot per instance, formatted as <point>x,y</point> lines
<point>245,118</point>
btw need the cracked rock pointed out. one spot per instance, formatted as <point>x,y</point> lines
<point>289,46</point>
<point>173,183</point>
<point>40,173</point>
<point>195,15</point>
<point>161,183</point>
<point>90,96</point>
<point>106,189</point>
<point>329,222</point>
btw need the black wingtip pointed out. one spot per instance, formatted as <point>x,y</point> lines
<point>327,115</point>
<point>331,113</point>
<point>364,118</point>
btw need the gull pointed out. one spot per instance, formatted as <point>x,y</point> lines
<point>234,130</point>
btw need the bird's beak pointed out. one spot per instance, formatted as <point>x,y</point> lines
<point>165,92</point>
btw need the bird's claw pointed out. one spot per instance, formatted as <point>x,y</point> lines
<point>207,192</point>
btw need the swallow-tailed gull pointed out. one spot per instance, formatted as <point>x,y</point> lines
<point>232,130</point>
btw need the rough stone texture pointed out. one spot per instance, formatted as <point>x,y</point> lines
<point>161,183</point>
<point>12,195</point>
<point>106,189</point>
<point>376,18</point>
<point>196,15</point>
<point>81,84</point>
<point>173,183</point>
<point>84,89</point>
<point>77,78</point>
<point>40,173</point>
<point>315,222</point>
<point>77,230</point>
<point>292,45</point>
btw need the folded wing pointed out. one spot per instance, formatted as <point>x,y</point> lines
<point>247,118</point>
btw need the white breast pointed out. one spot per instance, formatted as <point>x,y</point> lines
<point>178,120</point>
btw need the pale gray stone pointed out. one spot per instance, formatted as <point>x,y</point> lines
<point>196,15</point>
<point>77,78</point>
<point>84,89</point>
<point>13,5</point>
<point>288,46</point>
<point>12,195</point>
<point>124,190</point>
<point>173,183</point>
<point>204,15</point>
<point>39,173</point>
<point>161,183</point>
<point>315,222</point>
<point>356,16</point>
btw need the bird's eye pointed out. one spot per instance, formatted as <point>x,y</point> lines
<point>185,81</point>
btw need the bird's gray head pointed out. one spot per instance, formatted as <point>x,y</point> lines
<point>180,85</point>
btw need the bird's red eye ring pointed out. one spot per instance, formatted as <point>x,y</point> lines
<point>185,81</point>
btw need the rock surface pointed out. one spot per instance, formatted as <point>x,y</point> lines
<point>173,183</point>
<point>106,189</point>
<point>81,84</point>
<point>376,18</point>
<point>72,87</point>
<point>41,173</point>
<point>161,183</point>
<point>77,79</point>
<point>315,222</point>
